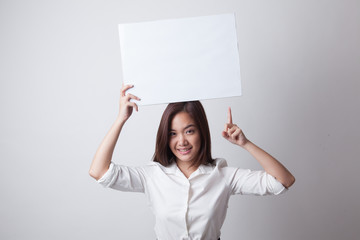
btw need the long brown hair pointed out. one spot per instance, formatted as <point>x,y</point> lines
<point>163,153</point>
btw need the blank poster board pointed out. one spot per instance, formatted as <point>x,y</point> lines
<point>181,59</point>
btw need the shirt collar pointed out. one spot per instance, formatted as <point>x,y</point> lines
<point>205,169</point>
<point>173,168</point>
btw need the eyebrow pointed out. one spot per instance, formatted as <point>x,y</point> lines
<point>188,126</point>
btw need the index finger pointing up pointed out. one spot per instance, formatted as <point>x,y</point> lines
<point>229,116</point>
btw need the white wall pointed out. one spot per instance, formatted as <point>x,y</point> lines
<point>60,75</point>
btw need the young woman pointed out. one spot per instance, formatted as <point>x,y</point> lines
<point>187,189</point>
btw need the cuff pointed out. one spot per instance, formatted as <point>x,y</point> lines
<point>276,186</point>
<point>105,180</point>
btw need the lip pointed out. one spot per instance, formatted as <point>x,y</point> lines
<point>184,151</point>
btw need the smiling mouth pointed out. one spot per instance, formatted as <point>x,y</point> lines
<point>184,151</point>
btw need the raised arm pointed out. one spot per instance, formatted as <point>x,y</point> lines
<point>103,155</point>
<point>272,166</point>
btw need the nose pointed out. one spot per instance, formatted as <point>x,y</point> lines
<point>182,140</point>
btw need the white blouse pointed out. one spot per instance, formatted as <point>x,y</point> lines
<point>189,208</point>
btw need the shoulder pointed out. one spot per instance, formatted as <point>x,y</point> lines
<point>220,163</point>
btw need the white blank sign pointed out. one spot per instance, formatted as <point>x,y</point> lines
<point>181,59</point>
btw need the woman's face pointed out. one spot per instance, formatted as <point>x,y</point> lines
<point>184,138</point>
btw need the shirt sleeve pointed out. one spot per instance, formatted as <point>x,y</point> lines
<point>245,181</point>
<point>124,178</point>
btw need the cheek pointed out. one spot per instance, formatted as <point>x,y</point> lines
<point>171,143</point>
<point>197,141</point>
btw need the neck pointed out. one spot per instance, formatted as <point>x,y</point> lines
<point>186,168</point>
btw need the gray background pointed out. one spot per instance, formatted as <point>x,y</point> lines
<point>60,76</point>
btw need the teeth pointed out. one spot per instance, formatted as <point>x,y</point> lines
<point>184,150</point>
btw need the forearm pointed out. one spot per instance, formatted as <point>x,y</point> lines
<point>270,164</point>
<point>103,155</point>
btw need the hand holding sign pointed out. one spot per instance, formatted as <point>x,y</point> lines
<point>126,106</point>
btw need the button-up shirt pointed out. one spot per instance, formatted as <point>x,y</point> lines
<point>194,207</point>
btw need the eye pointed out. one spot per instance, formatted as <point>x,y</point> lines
<point>172,134</point>
<point>190,131</point>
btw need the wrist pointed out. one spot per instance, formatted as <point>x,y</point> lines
<point>247,145</point>
<point>120,120</point>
